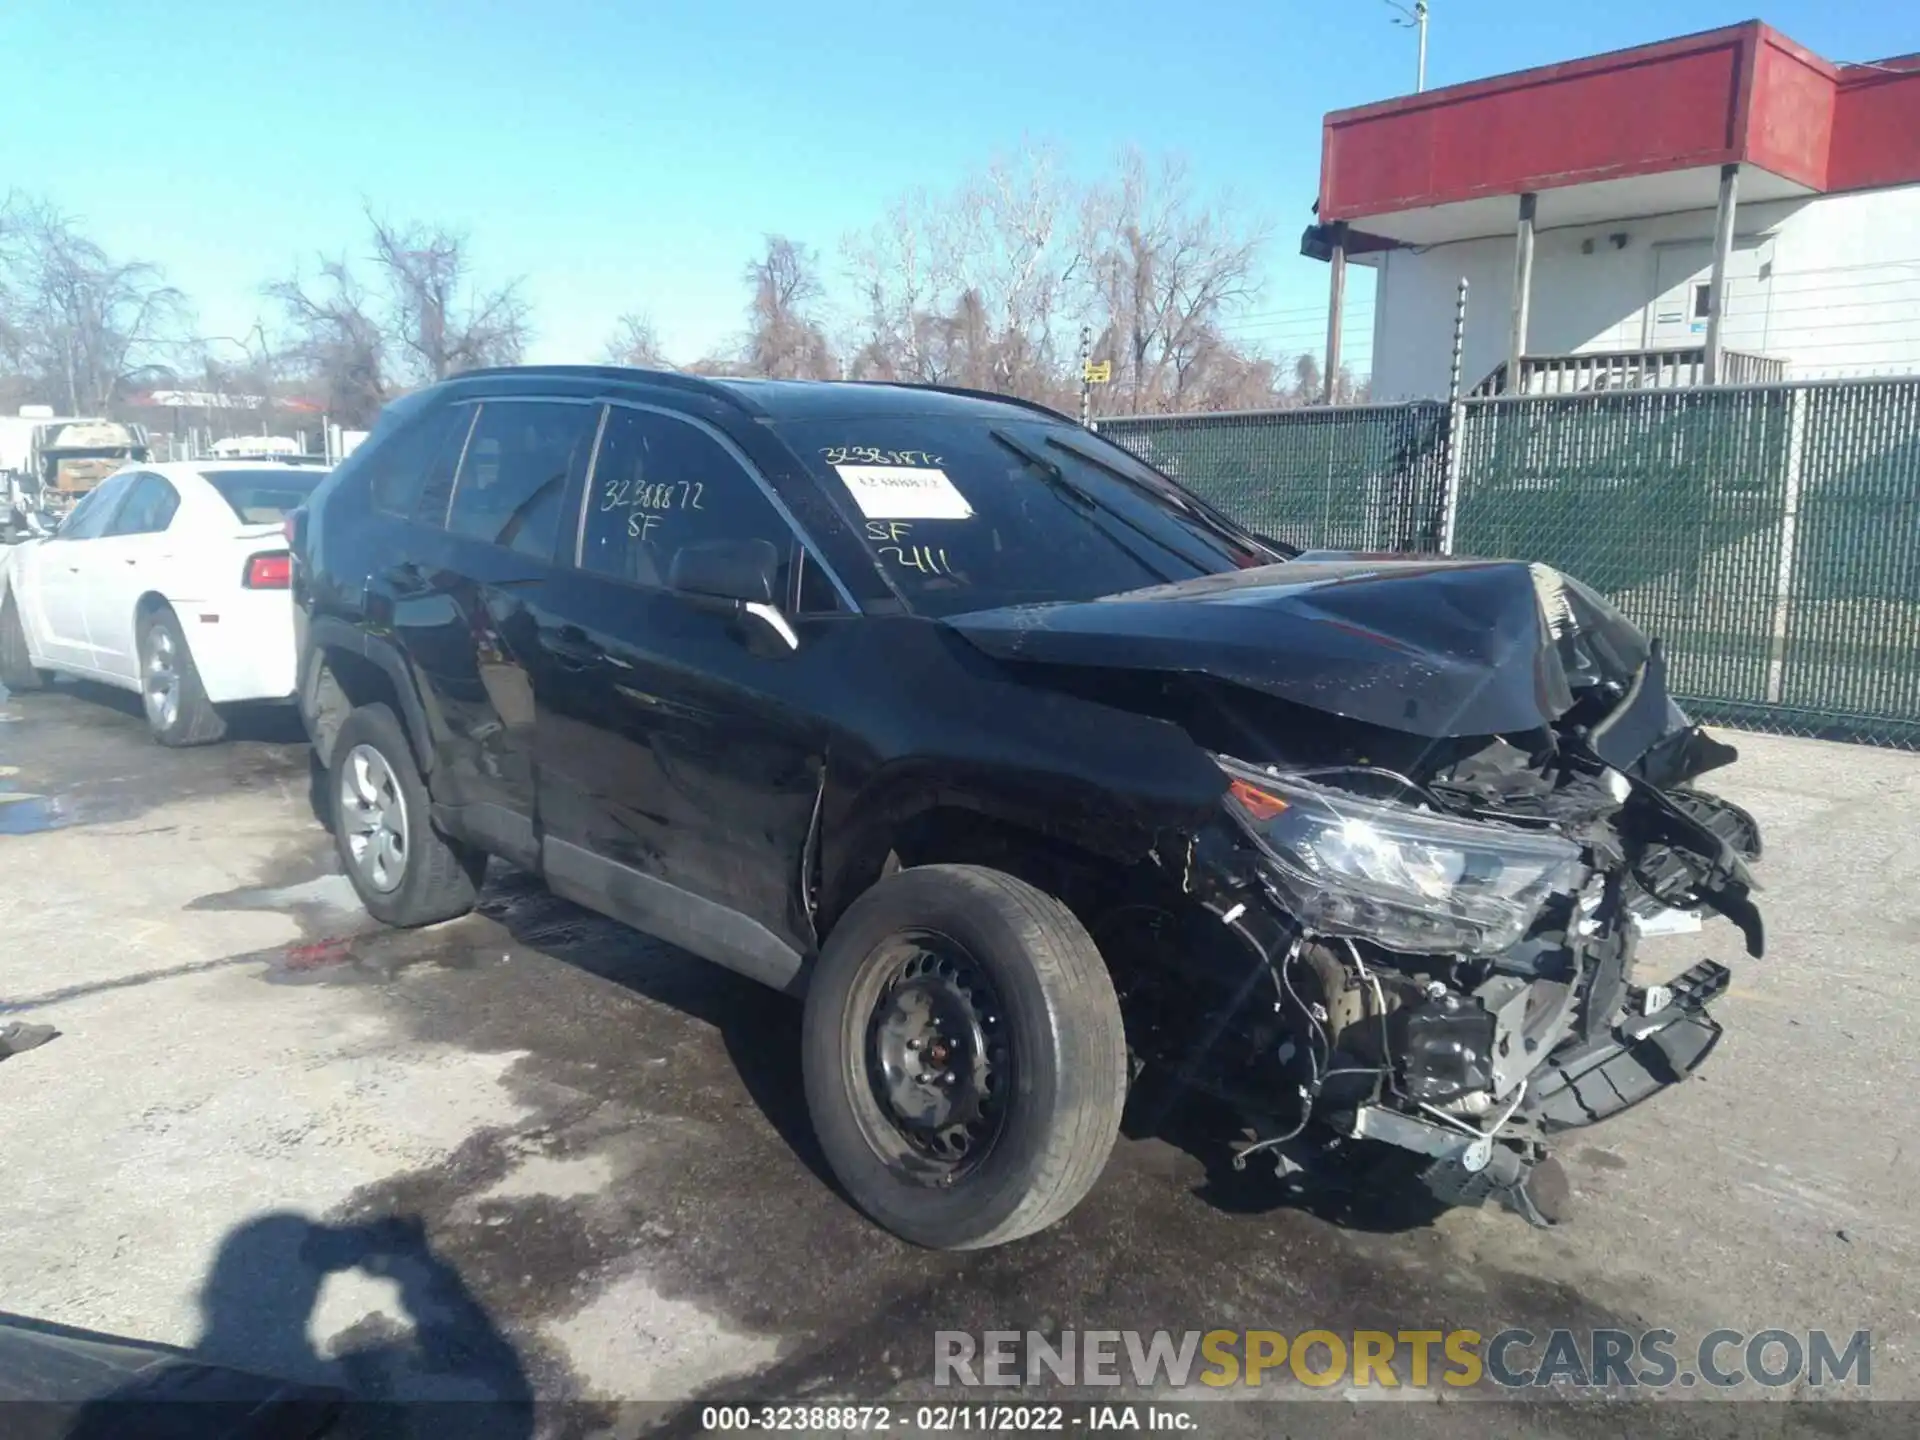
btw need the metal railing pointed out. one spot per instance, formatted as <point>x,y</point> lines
<point>1667,369</point>
<point>1769,534</point>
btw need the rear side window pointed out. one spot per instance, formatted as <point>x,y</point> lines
<point>264,497</point>
<point>661,483</point>
<point>513,477</point>
<point>412,472</point>
<point>148,509</point>
<point>88,519</point>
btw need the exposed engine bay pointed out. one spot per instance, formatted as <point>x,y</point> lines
<point>1396,932</point>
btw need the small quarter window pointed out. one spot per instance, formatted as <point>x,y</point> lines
<point>413,469</point>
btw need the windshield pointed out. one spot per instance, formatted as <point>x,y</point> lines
<point>264,497</point>
<point>965,513</point>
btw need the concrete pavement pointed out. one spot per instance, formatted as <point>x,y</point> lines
<point>609,1187</point>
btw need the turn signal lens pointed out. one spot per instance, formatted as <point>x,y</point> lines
<point>1258,804</point>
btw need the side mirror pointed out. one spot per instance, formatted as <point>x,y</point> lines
<point>741,570</point>
<point>736,575</point>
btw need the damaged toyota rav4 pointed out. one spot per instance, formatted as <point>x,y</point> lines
<point>1031,772</point>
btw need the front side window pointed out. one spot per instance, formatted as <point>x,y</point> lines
<point>660,484</point>
<point>969,513</point>
<point>513,478</point>
<point>148,509</point>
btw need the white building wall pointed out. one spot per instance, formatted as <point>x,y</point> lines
<point>1831,284</point>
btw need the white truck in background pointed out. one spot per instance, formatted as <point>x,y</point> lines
<point>48,461</point>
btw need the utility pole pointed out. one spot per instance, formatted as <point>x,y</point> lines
<point>1416,20</point>
<point>1336,308</point>
<point>1086,375</point>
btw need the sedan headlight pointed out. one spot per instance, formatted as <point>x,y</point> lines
<point>1403,878</point>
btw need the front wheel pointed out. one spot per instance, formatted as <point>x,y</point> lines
<point>964,1059</point>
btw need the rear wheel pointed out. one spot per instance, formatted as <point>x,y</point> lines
<point>406,872</point>
<point>178,711</point>
<point>964,1061</point>
<point>16,665</point>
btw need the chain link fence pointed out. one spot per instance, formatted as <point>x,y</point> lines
<point>1770,535</point>
<point>1352,477</point>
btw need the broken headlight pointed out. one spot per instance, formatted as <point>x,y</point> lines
<point>1406,879</point>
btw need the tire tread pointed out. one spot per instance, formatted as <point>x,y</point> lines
<point>1095,1045</point>
<point>16,662</point>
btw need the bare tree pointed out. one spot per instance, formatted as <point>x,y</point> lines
<point>966,288</point>
<point>336,339</point>
<point>440,322</point>
<point>422,320</point>
<point>1309,387</point>
<point>784,340</point>
<point>635,343</point>
<point>987,286</point>
<point>905,275</point>
<point>76,320</point>
<point>1162,270</point>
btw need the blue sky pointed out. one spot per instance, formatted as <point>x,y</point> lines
<point>630,155</point>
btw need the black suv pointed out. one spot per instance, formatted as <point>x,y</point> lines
<point>1028,769</point>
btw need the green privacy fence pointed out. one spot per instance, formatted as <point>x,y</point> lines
<point>1360,477</point>
<point>1769,534</point>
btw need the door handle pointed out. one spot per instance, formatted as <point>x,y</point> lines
<point>129,560</point>
<point>406,578</point>
<point>570,646</point>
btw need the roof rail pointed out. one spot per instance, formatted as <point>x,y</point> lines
<point>670,379</point>
<point>964,390</point>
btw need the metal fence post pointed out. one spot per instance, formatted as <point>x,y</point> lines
<point>1456,423</point>
<point>1789,524</point>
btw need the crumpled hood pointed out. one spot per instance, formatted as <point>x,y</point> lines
<point>1432,647</point>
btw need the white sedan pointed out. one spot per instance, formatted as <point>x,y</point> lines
<point>170,580</point>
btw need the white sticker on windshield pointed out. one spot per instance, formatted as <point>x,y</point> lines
<point>904,492</point>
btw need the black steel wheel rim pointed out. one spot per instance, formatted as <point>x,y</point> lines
<point>938,1061</point>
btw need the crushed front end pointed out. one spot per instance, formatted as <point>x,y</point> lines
<point>1436,953</point>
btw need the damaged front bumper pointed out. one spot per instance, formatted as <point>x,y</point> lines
<point>1648,1050</point>
<point>1664,1037</point>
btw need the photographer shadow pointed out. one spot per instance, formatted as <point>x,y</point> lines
<point>447,1370</point>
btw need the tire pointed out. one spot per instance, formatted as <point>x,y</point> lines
<point>16,665</point>
<point>178,711</point>
<point>424,878</point>
<point>1049,1098</point>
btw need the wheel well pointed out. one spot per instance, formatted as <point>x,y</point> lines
<point>342,682</point>
<point>150,603</point>
<point>1086,883</point>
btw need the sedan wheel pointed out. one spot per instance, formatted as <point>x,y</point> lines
<point>178,711</point>
<point>162,682</point>
<point>373,818</point>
